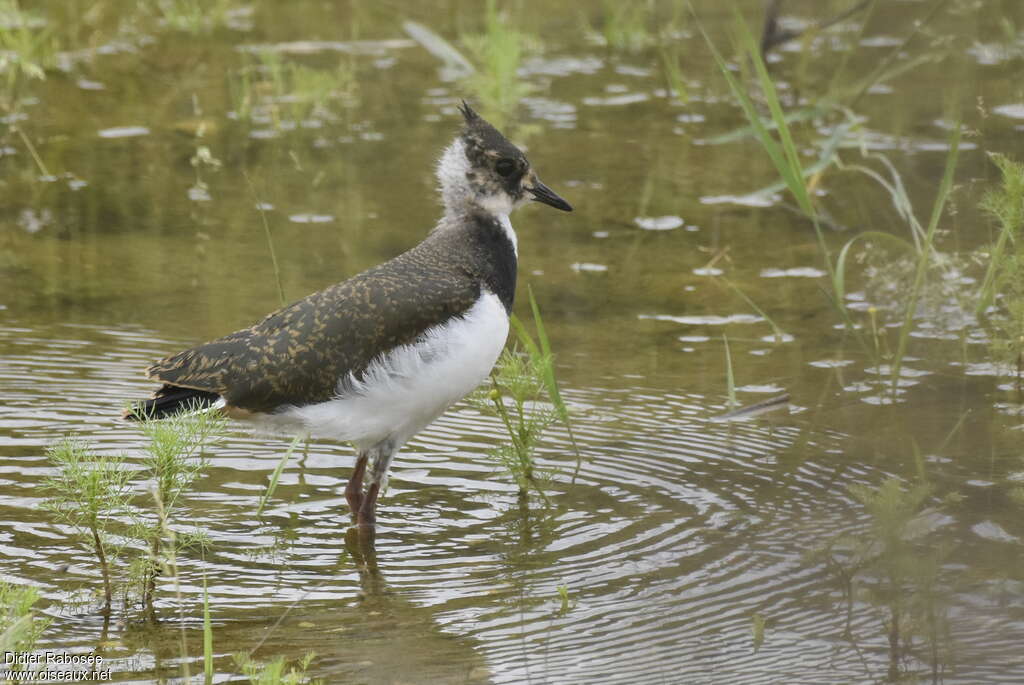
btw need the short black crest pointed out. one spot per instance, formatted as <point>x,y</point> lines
<point>482,139</point>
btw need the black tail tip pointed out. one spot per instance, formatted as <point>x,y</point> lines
<point>169,400</point>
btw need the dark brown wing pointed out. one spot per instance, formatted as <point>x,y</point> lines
<point>297,354</point>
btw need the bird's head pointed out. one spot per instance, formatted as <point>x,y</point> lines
<point>482,169</point>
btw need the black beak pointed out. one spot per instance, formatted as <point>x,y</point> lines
<point>541,193</point>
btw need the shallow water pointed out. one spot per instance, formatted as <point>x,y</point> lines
<point>678,528</point>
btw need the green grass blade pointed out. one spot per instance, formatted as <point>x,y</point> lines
<point>922,262</point>
<point>792,159</point>
<point>549,375</point>
<point>760,131</point>
<point>839,282</point>
<point>776,330</point>
<point>270,241</point>
<point>207,637</point>
<point>545,349</point>
<point>782,154</point>
<point>523,336</point>
<point>277,474</point>
<point>827,158</point>
<point>809,113</point>
<point>730,379</point>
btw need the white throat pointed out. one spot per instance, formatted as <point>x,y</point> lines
<point>510,232</point>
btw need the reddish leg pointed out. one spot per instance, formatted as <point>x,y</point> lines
<point>354,489</point>
<point>368,511</point>
<point>367,518</point>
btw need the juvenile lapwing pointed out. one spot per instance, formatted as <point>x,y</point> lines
<point>374,359</point>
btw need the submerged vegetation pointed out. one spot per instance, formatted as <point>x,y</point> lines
<point>896,566</point>
<point>288,94</point>
<point>276,671</point>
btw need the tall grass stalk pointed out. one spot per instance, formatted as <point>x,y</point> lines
<point>730,379</point>
<point>498,53</point>
<point>782,152</point>
<point>674,74</point>
<point>270,240</point>
<point>777,332</point>
<point>207,637</point>
<point>925,254</point>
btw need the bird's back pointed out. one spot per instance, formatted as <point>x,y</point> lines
<point>300,353</point>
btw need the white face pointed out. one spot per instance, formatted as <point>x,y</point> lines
<point>500,203</point>
<point>463,185</point>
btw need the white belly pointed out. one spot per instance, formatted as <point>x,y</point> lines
<point>405,390</point>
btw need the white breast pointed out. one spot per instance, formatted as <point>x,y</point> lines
<point>407,388</point>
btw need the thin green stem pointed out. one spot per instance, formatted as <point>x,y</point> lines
<point>270,241</point>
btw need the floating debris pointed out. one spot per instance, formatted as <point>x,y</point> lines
<point>659,223</point>
<point>756,409</point>
<point>124,132</point>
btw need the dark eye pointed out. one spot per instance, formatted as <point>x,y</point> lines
<point>505,167</point>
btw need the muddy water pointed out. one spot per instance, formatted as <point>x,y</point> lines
<point>680,530</point>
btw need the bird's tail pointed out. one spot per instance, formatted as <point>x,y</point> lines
<point>168,401</point>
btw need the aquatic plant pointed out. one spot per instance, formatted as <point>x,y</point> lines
<point>497,54</point>
<point>28,47</point>
<point>516,397</point>
<point>19,627</point>
<point>636,26</point>
<point>730,380</point>
<point>276,671</point>
<point>1005,205</point>
<point>565,601</point>
<point>193,16</point>
<point>524,396</point>
<point>89,491</point>
<point>175,458</point>
<point>895,566</point>
<point>95,496</point>
<point>287,93</point>
<point>775,135</point>
<point>627,25</point>
<point>1001,294</point>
